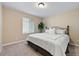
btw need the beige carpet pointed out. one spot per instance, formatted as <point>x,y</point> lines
<point>74,51</point>
<point>22,49</point>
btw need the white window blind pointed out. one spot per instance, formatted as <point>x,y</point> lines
<point>28,25</point>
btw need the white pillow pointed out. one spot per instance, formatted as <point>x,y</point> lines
<point>51,31</point>
<point>60,31</point>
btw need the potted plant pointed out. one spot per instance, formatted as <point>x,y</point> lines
<point>41,26</point>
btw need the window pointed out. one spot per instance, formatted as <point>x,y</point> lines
<point>28,25</point>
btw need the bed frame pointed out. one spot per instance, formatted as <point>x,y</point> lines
<point>42,50</point>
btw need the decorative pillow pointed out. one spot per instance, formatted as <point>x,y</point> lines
<point>51,31</point>
<point>47,30</point>
<point>60,31</point>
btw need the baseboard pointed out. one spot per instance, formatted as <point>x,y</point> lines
<point>13,43</point>
<point>74,44</point>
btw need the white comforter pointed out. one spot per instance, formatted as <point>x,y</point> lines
<point>55,44</point>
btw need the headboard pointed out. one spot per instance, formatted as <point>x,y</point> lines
<point>67,28</point>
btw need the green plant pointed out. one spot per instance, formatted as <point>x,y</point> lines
<point>41,26</point>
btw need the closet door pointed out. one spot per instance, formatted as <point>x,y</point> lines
<point>0,27</point>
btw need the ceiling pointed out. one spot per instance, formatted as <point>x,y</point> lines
<point>53,8</point>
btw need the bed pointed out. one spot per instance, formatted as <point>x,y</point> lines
<point>49,44</point>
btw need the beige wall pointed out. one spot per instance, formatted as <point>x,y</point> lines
<point>70,18</point>
<point>0,27</point>
<point>0,22</point>
<point>12,24</point>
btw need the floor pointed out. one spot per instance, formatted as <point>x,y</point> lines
<point>22,49</point>
<point>74,51</point>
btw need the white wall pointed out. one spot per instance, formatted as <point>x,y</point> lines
<point>0,26</point>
